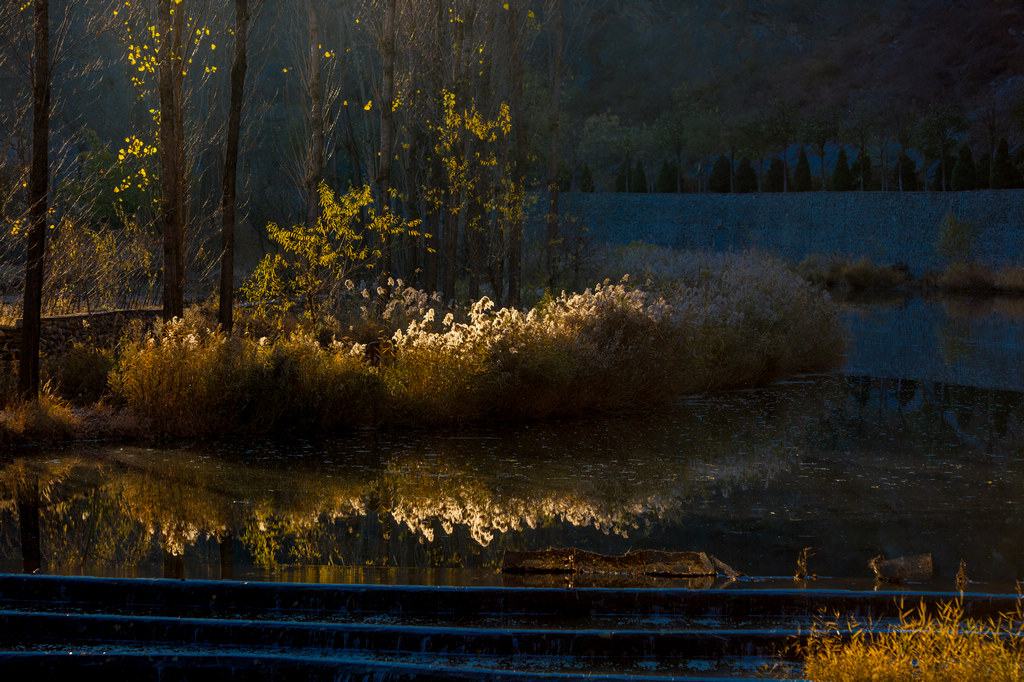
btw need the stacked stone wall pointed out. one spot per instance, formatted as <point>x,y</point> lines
<point>887,227</point>
<point>61,332</point>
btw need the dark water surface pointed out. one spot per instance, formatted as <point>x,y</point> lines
<point>918,446</point>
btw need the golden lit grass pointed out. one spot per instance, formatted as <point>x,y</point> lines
<point>9,312</point>
<point>938,647</point>
<point>48,419</point>
<point>703,322</point>
<point>185,380</point>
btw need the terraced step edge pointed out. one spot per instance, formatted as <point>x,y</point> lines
<point>200,597</point>
<point>236,668</point>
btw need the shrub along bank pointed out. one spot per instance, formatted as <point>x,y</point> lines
<point>690,323</point>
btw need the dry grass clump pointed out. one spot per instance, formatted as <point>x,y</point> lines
<point>939,647</point>
<point>703,322</point>
<point>967,278</point>
<point>857,275</point>
<point>189,380</point>
<point>80,373</point>
<point>715,321</point>
<point>9,312</point>
<point>48,419</point>
<point>1010,279</point>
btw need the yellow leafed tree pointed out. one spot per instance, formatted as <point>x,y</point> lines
<point>315,260</point>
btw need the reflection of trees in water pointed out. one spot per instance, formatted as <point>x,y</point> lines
<point>956,341</point>
<point>611,485</point>
<point>93,528</point>
<point>908,417</point>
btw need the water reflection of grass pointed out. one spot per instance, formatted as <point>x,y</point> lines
<point>460,499</point>
<point>459,502</point>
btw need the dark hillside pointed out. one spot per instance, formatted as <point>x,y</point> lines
<point>817,52</point>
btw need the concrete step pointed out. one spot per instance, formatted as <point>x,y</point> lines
<point>174,629</point>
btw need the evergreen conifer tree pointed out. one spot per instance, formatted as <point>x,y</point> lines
<point>667,181</point>
<point>802,174</point>
<point>983,172</point>
<point>775,178</point>
<point>622,179</point>
<point>638,181</point>
<point>564,177</point>
<point>905,174</point>
<point>746,178</point>
<point>1004,174</point>
<point>861,171</point>
<point>841,180</point>
<point>964,172</point>
<point>586,179</point>
<point>720,176</point>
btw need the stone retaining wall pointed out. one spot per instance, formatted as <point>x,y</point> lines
<point>61,332</point>
<point>887,227</point>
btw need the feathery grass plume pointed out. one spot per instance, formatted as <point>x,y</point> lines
<point>188,380</point>
<point>924,645</point>
<point>704,322</point>
<point>714,322</point>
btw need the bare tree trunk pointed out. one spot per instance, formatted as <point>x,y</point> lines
<point>456,198</point>
<point>315,162</point>
<point>39,176</point>
<point>387,120</point>
<point>227,257</point>
<point>515,242</point>
<point>479,222</point>
<point>555,83</point>
<point>172,180</point>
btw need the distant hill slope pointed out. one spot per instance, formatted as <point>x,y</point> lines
<point>631,56</point>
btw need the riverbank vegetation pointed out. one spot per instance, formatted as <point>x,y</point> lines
<point>939,646</point>
<point>963,273</point>
<point>687,323</point>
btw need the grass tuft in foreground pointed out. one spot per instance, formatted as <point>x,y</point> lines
<point>47,419</point>
<point>936,647</point>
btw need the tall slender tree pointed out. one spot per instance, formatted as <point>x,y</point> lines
<point>386,42</point>
<point>38,192</point>
<point>937,133</point>
<point>555,68</point>
<point>229,184</point>
<point>517,76</point>
<point>315,83</point>
<point>171,71</point>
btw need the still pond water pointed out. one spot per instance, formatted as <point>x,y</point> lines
<point>916,446</point>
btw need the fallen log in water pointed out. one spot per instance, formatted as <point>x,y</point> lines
<point>642,562</point>
<point>901,569</point>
